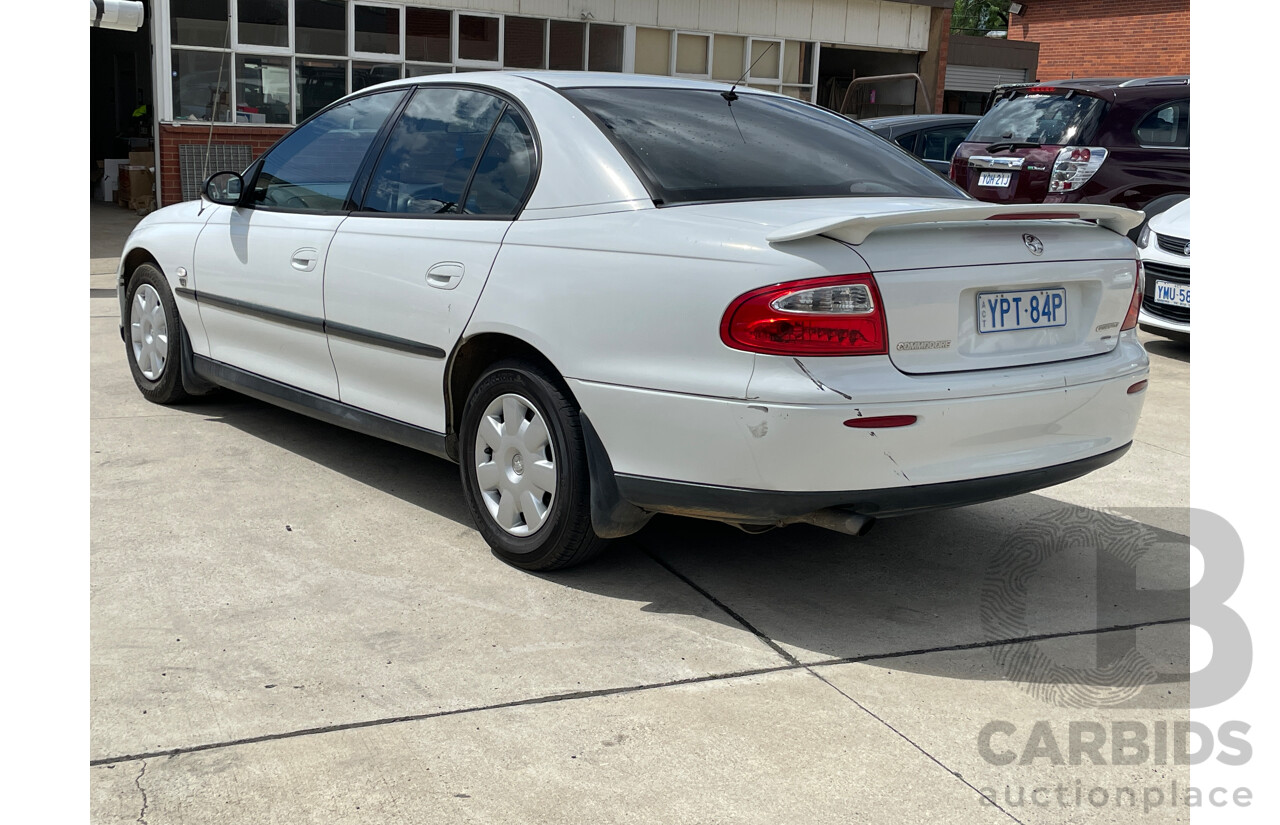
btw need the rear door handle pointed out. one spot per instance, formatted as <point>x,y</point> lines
<point>445,275</point>
<point>304,260</point>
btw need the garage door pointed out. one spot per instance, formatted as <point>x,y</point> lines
<point>980,78</point>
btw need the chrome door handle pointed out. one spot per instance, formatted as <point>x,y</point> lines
<point>304,260</point>
<point>445,275</point>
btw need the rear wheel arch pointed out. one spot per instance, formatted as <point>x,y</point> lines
<point>469,361</point>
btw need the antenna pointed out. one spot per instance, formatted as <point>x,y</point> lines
<point>730,95</point>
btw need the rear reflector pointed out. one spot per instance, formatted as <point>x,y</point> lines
<point>838,315</point>
<point>1138,387</point>
<point>881,422</point>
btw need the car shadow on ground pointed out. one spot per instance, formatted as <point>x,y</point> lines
<point>1168,348</point>
<point>1028,567</point>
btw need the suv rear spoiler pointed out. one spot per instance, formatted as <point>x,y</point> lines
<point>855,230</point>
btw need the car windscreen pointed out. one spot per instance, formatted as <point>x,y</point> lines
<point>694,146</point>
<point>1056,119</point>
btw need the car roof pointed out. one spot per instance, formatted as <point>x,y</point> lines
<point>569,80</point>
<point>916,120</point>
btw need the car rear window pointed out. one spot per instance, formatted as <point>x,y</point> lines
<point>693,146</point>
<point>1056,119</point>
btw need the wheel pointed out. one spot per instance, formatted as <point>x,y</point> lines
<point>153,339</point>
<point>524,469</point>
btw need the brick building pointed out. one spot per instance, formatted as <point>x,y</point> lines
<point>1104,38</point>
<point>221,80</point>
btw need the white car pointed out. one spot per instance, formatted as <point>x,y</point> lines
<point>607,296</point>
<point>1165,247</point>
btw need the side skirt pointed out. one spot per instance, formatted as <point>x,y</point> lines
<point>319,407</point>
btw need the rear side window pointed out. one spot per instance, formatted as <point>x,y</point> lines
<point>505,170</point>
<point>691,145</point>
<point>1169,125</point>
<point>940,144</point>
<point>1052,119</point>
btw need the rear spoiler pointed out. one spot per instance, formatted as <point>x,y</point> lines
<point>855,230</point>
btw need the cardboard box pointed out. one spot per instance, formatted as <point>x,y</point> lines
<point>137,186</point>
<point>146,160</point>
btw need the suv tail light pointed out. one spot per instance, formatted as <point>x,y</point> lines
<point>1074,166</point>
<point>838,315</point>
<point>1135,304</point>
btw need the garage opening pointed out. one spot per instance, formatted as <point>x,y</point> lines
<point>122,117</point>
<point>838,65</point>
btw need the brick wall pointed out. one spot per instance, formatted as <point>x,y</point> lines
<point>257,138</point>
<point>1105,38</point>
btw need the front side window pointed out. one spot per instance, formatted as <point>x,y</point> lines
<point>313,168</point>
<point>1169,125</point>
<point>694,146</point>
<point>431,152</point>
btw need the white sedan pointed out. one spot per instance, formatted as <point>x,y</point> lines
<point>1165,247</point>
<point>607,296</point>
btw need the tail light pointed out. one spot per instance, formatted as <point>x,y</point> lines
<point>1135,303</point>
<point>1074,166</point>
<point>839,315</point>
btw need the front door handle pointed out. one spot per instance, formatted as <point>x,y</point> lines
<point>304,260</point>
<point>445,275</point>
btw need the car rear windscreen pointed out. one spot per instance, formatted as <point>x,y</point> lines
<point>1054,119</point>
<point>694,146</point>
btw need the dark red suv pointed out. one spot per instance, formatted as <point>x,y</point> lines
<point>1119,141</point>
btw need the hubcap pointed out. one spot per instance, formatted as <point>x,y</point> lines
<point>149,331</point>
<point>515,465</point>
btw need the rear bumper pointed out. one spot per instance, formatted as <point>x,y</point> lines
<point>736,504</point>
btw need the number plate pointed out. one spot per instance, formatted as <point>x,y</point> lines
<point>1177,295</point>
<point>994,178</point>
<point>1022,309</point>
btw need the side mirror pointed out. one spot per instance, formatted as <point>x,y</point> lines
<point>224,188</point>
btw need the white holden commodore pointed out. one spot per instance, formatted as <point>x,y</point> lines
<point>607,296</point>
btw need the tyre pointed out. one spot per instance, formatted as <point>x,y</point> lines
<point>524,469</point>
<point>153,339</point>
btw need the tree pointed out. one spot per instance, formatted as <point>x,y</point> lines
<point>980,16</point>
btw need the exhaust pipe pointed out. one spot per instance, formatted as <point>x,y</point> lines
<point>841,521</point>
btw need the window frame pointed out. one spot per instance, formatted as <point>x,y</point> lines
<point>371,57</point>
<point>1181,103</point>
<point>253,49</point>
<point>675,53</point>
<point>746,60</point>
<point>456,34</point>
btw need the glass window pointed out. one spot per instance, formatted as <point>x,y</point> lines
<point>431,151</point>
<point>377,30</point>
<point>766,59</point>
<point>693,145</point>
<point>320,27</point>
<point>263,22</point>
<point>907,141</point>
<point>1169,125</point>
<point>411,70</point>
<point>319,83</point>
<point>262,89</point>
<point>426,35</point>
<point>797,62</point>
<point>477,38</point>
<point>940,144</point>
<point>691,53</point>
<point>523,42</point>
<point>604,48</point>
<point>505,171</point>
<point>313,168</point>
<point>199,23</point>
<point>364,75</point>
<point>729,51</point>
<point>201,85</point>
<point>653,51</point>
<point>1042,118</point>
<point>566,50</point>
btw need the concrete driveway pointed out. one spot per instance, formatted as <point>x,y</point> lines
<point>295,623</point>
